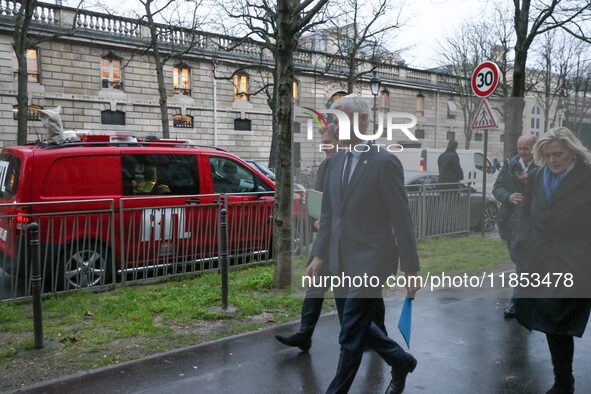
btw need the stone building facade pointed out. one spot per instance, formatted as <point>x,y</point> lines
<point>105,80</point>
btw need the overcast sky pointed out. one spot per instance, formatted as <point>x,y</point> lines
<point>431,20</point>
<point>426,21</point>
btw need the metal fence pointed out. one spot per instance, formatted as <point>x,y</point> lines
<point>98,243</point>
<point>440,209</point>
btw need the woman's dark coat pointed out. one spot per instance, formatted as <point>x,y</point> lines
<point>555,237</point>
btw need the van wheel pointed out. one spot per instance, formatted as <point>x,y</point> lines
<point>490,217</point>
<point>87,264</point>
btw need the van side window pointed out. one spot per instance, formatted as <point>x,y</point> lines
<point>231,177</point>
<point>10,167</point>
<point>159,174</point>
<point>479,163</point>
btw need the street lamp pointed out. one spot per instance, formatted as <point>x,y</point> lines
<point>374,86</point>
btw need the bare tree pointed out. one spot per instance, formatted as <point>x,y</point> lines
<point>168,41</point>
<point>461,53</point>
<point>530,20</point>
<point>292,18</point>
<point>549,76</point>
<point>358,32</point>
<point>577,89</point>
<point>258,20</point>
<point>24,39</point>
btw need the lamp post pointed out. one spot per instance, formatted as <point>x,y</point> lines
<point>374,86</point>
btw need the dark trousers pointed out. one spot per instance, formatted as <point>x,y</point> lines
<point>358,330</point>
<point>312,308</point>
<point>562,349</point>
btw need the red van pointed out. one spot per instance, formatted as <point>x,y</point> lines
<point>107,208</point>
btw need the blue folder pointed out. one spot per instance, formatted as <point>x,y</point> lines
<point>405,321</point>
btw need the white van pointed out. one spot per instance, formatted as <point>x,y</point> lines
<point>472,162</point>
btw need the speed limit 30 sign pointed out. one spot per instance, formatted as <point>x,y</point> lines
<point>485,79</point>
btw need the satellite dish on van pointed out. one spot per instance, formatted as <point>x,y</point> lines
<point>52,123</point>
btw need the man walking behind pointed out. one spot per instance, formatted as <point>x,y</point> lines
<point>365,227</point>
<point>314,298</point>
<point>509,190</point>
<point>450,170</point>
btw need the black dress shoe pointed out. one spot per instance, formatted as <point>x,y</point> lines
<point>296,340</point>
<point>399,374</point>
<point>564,386</point>
<point>510,310</point>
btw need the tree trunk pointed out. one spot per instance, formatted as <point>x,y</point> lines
<point>514,127</point>
<point>283,194</point>
<point>351,77</point>
<point>274,104</point>
<point>21,31</point>
<point>163,101</point>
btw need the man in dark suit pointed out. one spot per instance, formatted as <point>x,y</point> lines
<point>509,190</point>
<point>314,299</point>
<point>450,170</point>
<point>365,227</point>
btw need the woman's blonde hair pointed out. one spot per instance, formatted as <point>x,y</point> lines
<point>567,137</point>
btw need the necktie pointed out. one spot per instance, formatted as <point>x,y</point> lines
<point>347,172</point>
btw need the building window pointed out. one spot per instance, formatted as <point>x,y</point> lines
<point>502,138</point>
<point>296,92</point>
<point>113,117</point>
<point>242,124</point>
<point>319,43</point>
<point>451,135</point>
<point>181,79</point>
<point>241,86</point>
<point>32,112</point>
<point>182,121</point>
<point>385,98</point>
<point>420,105</point>
<point>32,55</point>
<point>478,137</point>
<point>297,127</point>
<point>420,133</point>
<point>111,72</point>
<point>536,116</point>
<point>451,109</point>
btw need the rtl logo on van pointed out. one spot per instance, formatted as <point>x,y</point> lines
<point>344,126</point>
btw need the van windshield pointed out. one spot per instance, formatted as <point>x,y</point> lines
<point>9,173</point>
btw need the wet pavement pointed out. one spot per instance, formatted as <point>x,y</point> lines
<point>462,346</point>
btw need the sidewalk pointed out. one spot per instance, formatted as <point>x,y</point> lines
<point>462,346</point>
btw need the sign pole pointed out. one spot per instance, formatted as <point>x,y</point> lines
<point>484,170</point>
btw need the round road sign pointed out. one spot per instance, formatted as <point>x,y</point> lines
<point>485,79</point>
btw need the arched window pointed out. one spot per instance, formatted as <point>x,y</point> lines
<point>182,121</point>
<point>241,86</point>
<point>536,116</point>
<point>335,97</point>
<point>181,79</point>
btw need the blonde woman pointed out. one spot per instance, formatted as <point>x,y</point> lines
<point>554,237</point>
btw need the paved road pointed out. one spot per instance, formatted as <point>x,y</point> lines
<point>462,345</point>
